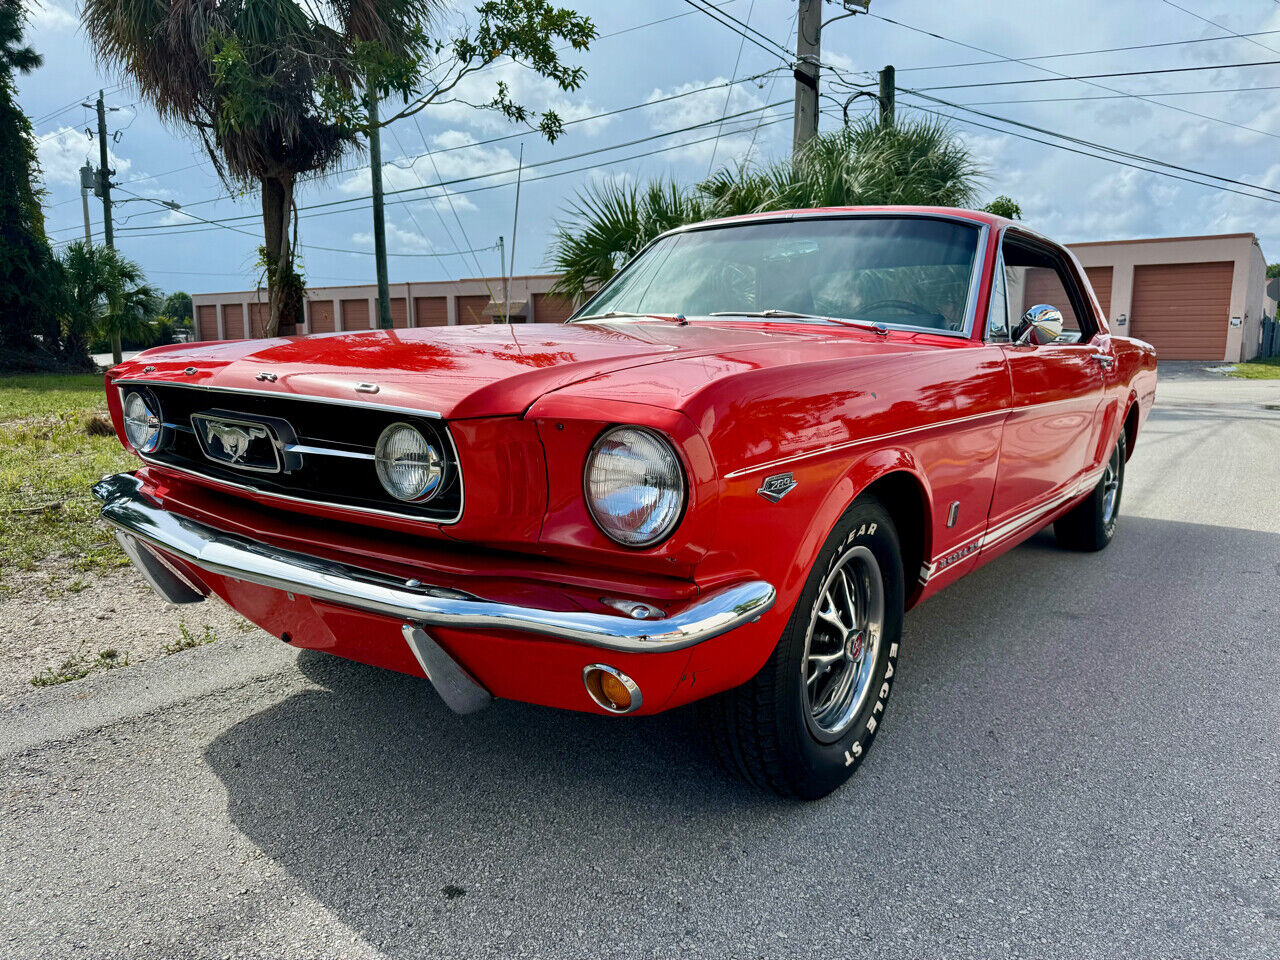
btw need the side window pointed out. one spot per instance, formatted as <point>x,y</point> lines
<point>998,309</point>
<point>1034,275</point>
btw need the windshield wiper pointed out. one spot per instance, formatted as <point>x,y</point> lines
<point>790,314</point>
<point>617,315</point>
<point>767,313</point>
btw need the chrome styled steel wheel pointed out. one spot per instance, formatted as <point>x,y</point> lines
<point>842,643</point>
<point>1111,485</point>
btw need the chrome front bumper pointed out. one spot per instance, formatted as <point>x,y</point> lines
<point>141,524</point>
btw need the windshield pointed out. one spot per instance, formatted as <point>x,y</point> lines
<point>902,271</point>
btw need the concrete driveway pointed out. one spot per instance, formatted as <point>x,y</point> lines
<point>1081,760</point>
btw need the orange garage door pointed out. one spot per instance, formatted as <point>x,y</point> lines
<point>320,314</point>
<point>431,311</point>
<point>471,309</point>
<point>207,316</point>
<point>549,308</point>
<point>1183,309</point>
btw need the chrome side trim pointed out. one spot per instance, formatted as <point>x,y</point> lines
<point>230,555</point>
<point>281,395</point>
<point>1016,524</point>
<point>457,688</point>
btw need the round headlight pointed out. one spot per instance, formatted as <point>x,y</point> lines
<point>409,467</point>
<point>141,422</point>
<point>634,486</point>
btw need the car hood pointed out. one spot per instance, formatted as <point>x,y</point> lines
<point>463,371</point>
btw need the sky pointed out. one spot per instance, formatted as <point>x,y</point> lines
<point>659,57</point>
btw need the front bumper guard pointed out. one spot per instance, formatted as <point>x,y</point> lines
<point>142,524</point>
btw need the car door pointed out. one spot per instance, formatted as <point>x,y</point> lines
<point>1048,440</point>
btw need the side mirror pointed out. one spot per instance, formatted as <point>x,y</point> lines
<point>1040,325</point>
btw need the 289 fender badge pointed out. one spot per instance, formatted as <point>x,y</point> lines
<point>266,378</point>
<point>776,487</point>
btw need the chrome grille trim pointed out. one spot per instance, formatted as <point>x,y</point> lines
<point>121,386</point>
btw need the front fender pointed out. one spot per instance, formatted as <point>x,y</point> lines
<point>780,542</point>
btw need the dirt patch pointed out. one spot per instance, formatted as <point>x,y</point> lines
<point>59,625</point>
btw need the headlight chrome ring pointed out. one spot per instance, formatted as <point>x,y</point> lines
<point>409,465</point>
<point>634,486</point>
<point>143,425</point>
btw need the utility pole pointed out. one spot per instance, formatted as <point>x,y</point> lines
<point>104,183</point>
<point>379,214</point>
<point>887,88</point>
<point>104,177</point>
<point>506,286</point>
<point>86,184</point>
<point>808,55</point>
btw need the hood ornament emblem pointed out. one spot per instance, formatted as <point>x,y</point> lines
<point>234,440</point>
<point>778,486</point>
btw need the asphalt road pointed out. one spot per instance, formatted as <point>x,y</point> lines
<point>1081,759</point>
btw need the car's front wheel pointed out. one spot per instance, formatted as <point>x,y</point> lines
<point>804,723</point>
<point>1091,524</point>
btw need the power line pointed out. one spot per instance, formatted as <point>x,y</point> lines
<point>1103,147</point>
<point>767,47</point>
<point>729,93</point>
<point>1089,80</point>
<point>1076,53</point>
<point>1096,76</point>
<point>477,143</point>
<point>77,102</point>
<point>1120,96</point>
<point>1084,153</point>
<point>778,118</point>
<point>480,176</point>
<point>1219,26</point>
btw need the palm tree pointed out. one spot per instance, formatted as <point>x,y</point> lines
<point>911,162</point>
<point>612,221</point>
<point>106,294</point>
<point>276,89</point>
<point>254,80</point>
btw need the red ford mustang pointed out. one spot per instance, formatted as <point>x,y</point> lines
<point>724,479</point>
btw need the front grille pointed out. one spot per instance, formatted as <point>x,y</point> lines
<point>328,458</point>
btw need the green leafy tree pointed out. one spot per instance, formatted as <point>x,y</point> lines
<point>104,296</point>
<point>177,307</point>
<point>27,322</point>
<point>911,162</point>
<point>278,89</point>
<point>1273,270</point>
<point>1004,206</point>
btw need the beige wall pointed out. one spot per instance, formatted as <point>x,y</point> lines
<point>1248,282</point>
<point>522,289</point>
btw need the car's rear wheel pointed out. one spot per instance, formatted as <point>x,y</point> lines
<point>803,724</point>
<point>1091,524</point>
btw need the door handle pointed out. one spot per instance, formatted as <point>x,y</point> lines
<point>1104,361</point>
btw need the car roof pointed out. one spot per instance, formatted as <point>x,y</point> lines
<point>980,217</point>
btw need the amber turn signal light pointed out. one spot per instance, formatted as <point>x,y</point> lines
<point>611,689</point>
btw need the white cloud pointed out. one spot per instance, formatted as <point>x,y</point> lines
<point>705,107</point>
<point>47,15</point>
<point>452,158</point>
<point>398,240</point>
<point>63,152</point>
